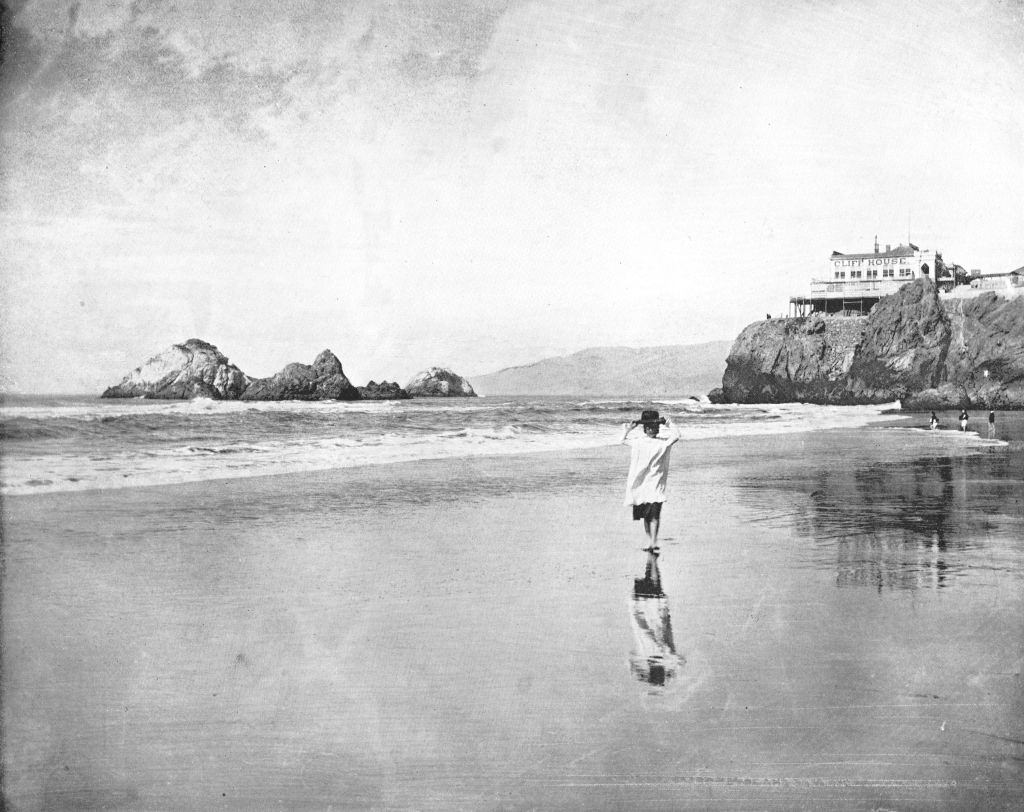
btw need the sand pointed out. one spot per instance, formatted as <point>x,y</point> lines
<point>847,609</point>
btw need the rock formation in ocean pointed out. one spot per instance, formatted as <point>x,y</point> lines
<point>914,347</point>
<point>385,390</point>
<point>439,382</point>
<point>323,380</point>
<point>191,370</point>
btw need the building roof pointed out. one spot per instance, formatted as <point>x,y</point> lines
<point>898,251</point>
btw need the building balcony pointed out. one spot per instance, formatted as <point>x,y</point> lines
<point>850,297</point>
<point>853,288</point>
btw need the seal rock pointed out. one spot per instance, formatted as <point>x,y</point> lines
<point>195,369</point>
<point>438,382</point>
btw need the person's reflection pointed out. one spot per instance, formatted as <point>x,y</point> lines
<point>653,659</point>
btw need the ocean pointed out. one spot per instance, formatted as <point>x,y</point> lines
<point>60,444</point>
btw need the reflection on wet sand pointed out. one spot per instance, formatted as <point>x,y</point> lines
<point>894,527</point>
<point>653,659</point>
<point>892,564</point>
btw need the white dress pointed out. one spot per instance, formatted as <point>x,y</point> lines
<point>648,466</point>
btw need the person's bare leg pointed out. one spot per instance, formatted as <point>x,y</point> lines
<point>647,530</point>
<point>655,524</point>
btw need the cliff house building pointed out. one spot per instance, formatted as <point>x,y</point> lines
<point>853,283</point>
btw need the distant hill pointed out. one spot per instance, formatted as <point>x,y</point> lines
<point>691,369</point>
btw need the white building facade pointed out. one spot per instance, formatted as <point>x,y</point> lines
<point>853,283</point>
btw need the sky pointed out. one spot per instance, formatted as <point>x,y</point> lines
<point>477,184</point>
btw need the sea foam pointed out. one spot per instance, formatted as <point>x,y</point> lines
<point>106,444</point>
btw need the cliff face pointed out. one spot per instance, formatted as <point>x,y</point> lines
<point>905,342</point>
<point>986,333</point>
<point>785,360</point>
<point>912,347</point>
<point>194,369</point>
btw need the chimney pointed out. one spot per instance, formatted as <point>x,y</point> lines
<point>876,243</point>
<point>888,248</point>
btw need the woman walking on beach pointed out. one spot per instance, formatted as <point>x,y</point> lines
<point>648,470</point>
<point>963,420</point>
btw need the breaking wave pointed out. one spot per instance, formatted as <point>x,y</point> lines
<point>88,444</point>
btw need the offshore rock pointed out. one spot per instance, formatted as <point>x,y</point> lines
<point>385,390</point>
<point>195,369</point>
<point>438,382</point>
<point>323,380</point>
<point>913,347</point>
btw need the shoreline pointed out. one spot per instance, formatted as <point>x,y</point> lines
<point>344,473</point>
<point>711,434</point>
<point>437,476</point>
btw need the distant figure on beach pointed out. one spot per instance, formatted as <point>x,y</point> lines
<point>934,422</point>
<point>963,420</point>
<point>991,423</point>
<point>648,470</point>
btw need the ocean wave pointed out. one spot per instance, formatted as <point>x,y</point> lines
<point>107,409</point>
<point>154,449</point>
<point>687,401</point>
<point>235,449</point>
<point>200,463</point>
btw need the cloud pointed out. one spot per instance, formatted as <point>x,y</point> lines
<point>468,179</point>
<point>100,92</point>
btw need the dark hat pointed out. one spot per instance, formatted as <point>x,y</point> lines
<point>650,416</point>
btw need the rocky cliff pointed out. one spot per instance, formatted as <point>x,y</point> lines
<point>194,369</point>
<point>323,380</point>
<point>439,382</point>
<point>913,347</point>
<point>784,360</point>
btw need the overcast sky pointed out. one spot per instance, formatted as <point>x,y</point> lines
<point>480,184</point>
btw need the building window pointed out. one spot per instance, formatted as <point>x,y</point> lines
<point>888,272</point>
<point>872,273</point>
<point>855,274</point>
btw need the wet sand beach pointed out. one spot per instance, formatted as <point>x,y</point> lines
<point>846,609</point>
